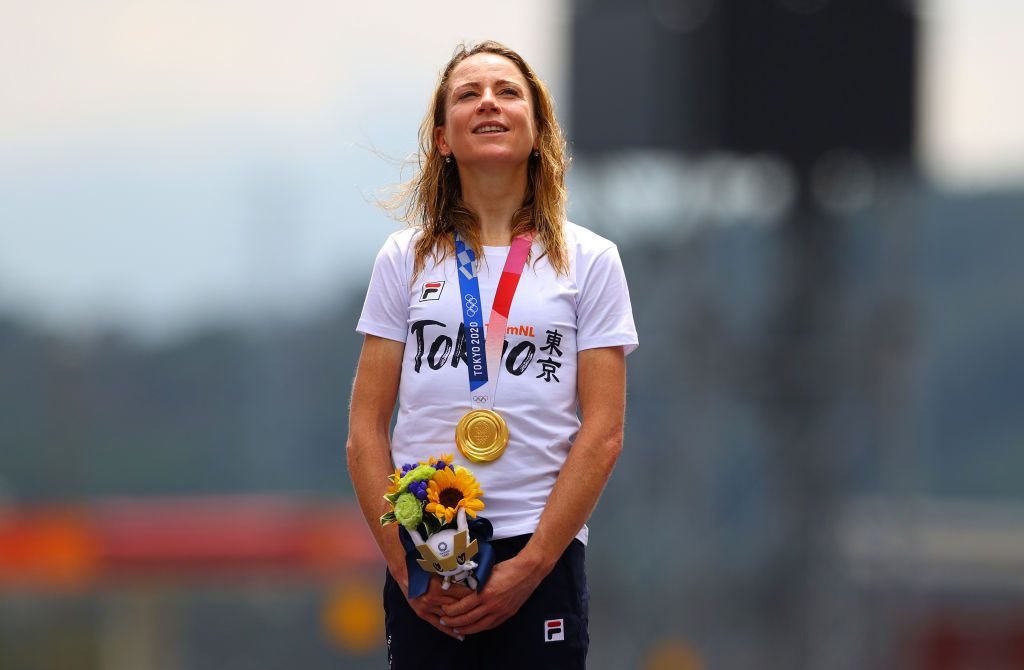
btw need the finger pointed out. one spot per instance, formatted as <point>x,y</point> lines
<point>469,618</point>
<point>484,623</point>
<point>433,611</point>
<point>459,591</point>
<point>460,607</point>
<point>448,631</point>
<point>437,601</point>
<point>429,607</point>
<point>438,611</point>
<point>435,621</point>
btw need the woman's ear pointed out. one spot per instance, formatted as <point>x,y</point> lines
<point>440,141</point>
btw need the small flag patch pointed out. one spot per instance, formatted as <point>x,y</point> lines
<point>554,630</point>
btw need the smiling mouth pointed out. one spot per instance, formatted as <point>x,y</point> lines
<point>484,130</point>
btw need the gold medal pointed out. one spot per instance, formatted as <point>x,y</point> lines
<point>481,435</point>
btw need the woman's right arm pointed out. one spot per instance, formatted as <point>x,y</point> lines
<point>374,392</point>
<point>369,463</point>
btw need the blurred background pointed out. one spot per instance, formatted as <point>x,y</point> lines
<point>820,208</point>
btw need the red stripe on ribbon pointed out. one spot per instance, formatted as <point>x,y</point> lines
<point>506,289</point>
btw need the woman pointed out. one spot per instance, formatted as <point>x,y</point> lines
<point>491,181</point>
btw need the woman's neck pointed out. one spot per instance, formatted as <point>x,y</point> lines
<point>494,197</point>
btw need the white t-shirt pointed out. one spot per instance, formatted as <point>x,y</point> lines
<point>552,318</point>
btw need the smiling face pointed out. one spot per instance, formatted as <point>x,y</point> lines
<point>489,116</point>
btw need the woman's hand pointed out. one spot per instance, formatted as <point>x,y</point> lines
<point>510,584</point>
<point>430,605</point>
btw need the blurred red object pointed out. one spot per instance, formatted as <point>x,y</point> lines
<point>993,641</point>
<point>68,546</point>
<point>53,546</point>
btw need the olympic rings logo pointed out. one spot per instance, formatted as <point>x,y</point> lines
<point>471,305</point>
<point>479,398</point>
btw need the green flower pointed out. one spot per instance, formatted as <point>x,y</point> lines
<point>418,474</point>
<point>409,510</point>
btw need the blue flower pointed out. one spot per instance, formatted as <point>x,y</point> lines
<point>419,489</point>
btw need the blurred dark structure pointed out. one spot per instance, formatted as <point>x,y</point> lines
<point>796,78</point>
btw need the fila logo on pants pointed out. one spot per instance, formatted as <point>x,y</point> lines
<point>554,630</point>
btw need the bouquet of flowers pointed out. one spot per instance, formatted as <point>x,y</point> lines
<point>430,501</point>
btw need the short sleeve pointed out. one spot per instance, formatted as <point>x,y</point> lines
<point>605,316</point>
<point>386,308</point>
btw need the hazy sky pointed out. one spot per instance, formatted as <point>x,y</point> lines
<point>163,163</point>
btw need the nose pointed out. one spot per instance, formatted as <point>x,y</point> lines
<point>488,101</point>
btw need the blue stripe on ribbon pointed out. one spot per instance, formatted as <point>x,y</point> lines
<point>472,314</point>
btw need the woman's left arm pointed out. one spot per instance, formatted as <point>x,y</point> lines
<point>601,385</point>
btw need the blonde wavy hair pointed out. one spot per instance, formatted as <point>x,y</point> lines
<point>432,199</point>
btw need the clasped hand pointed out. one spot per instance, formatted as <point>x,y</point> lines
<point>460,611</point>
<point>505,592</point>
<point>430,605</point>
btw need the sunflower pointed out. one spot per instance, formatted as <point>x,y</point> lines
<point>449,490</point>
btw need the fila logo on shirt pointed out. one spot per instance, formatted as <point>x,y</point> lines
<point>554,630</point>
<point>431,290</point>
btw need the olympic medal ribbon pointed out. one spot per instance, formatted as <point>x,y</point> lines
<point>483,348</point>
<point>482,434</point>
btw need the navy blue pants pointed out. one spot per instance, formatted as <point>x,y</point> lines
<point>548,632</point>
